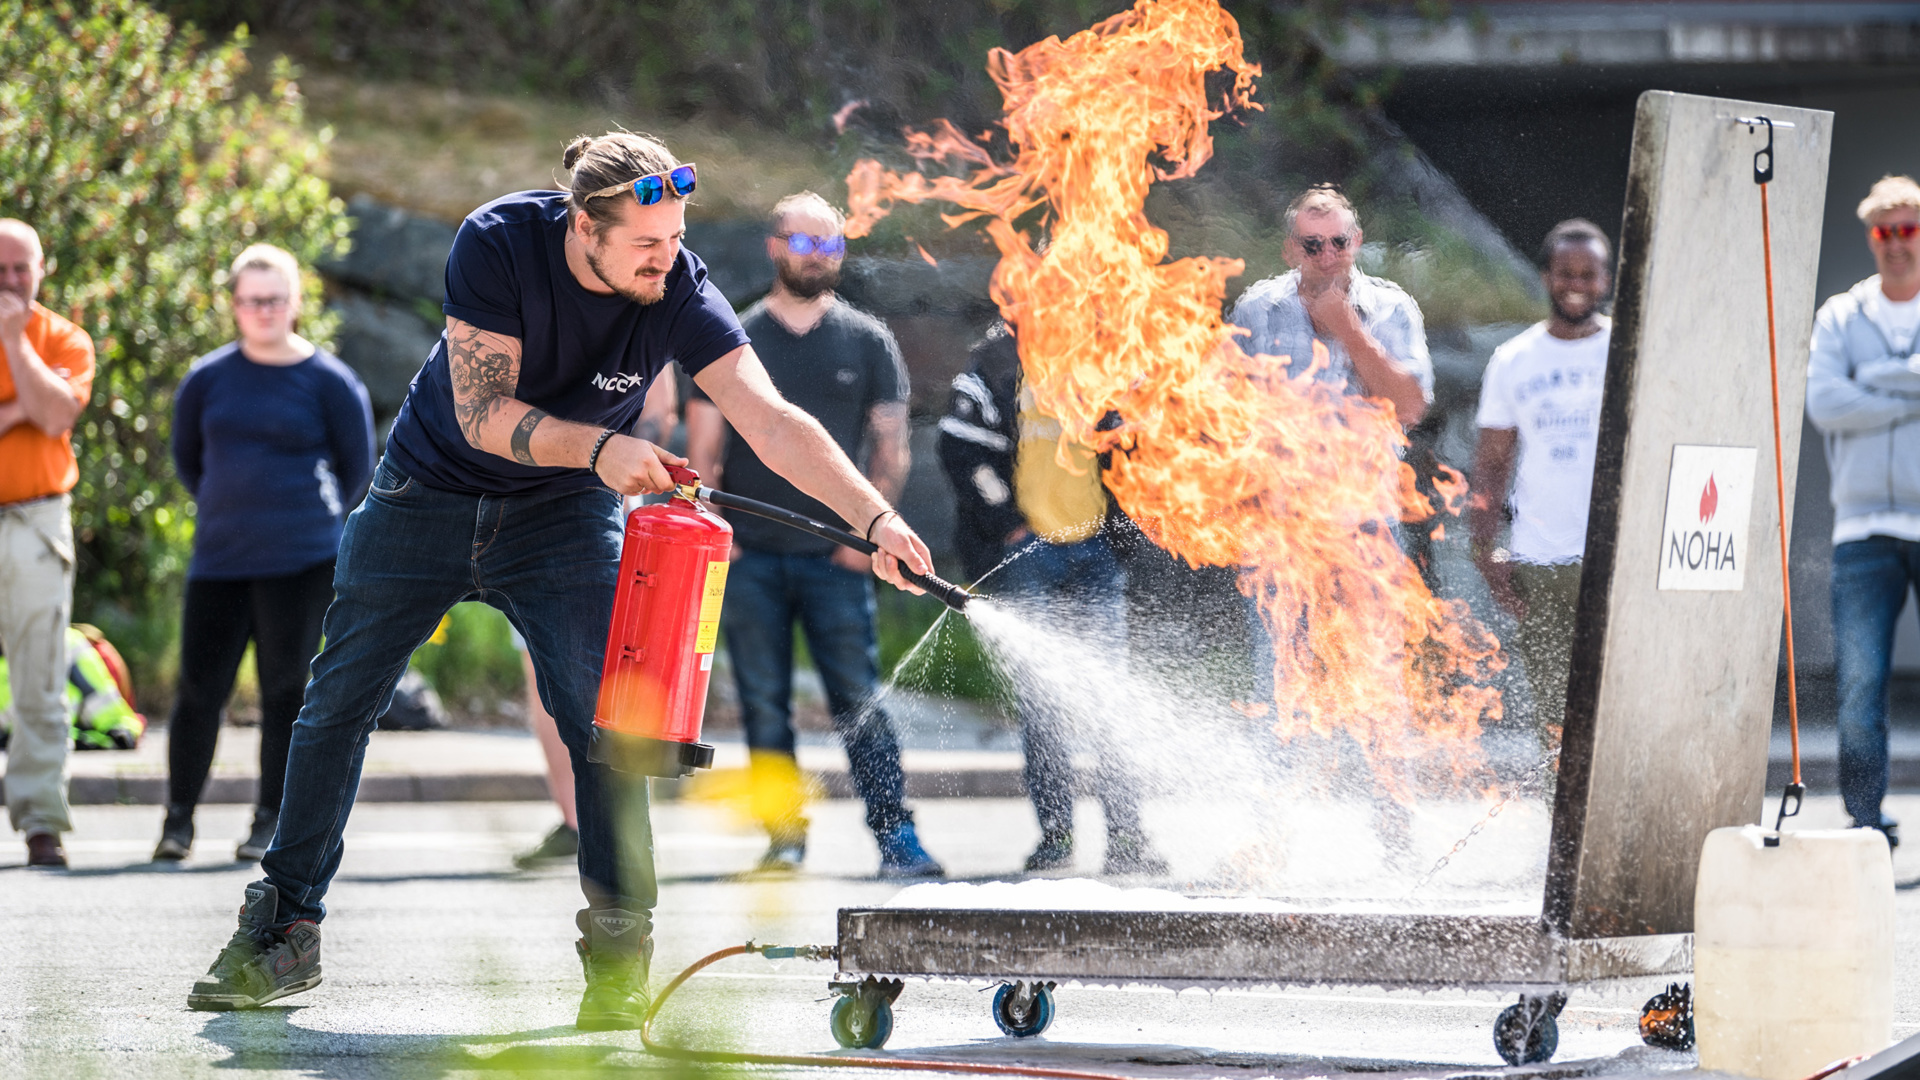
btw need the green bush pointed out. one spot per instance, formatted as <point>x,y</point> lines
<point>128,144</point>
<point>476,668</point>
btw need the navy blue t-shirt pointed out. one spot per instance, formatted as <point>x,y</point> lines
<point>275,456</point>
<point>583,356</point>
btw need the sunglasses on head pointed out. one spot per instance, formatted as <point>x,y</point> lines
<point>807,244</point>
<point>1314,245</point>
<point>1905,230</point>
<point>653,187</point>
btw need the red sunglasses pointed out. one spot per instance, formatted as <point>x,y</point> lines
<point>1905,230</point>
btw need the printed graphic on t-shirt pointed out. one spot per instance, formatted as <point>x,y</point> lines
<point>1549,391</point>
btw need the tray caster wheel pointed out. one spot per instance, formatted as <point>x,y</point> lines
<point>1667,1021</point>
<point>861,1025</point>
<point>862,1018</point>
<point>1528,1033</point>
<point>1023,1009</point>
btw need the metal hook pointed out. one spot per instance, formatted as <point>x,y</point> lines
<point>1789,807</point>
<point>1763,157</point>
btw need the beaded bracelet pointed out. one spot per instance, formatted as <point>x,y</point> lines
<point>593,459</point>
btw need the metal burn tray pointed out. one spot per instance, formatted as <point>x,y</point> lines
<point>1205,948</point>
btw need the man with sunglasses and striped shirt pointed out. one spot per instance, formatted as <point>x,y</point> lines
<point>1376,342</point>
<point>1863,393</point>
<point>1375,339</point>
<point>502,483</point>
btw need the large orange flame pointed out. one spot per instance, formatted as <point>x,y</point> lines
<point>1222,458</point>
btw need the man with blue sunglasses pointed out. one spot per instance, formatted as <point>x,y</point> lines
<point>502,482</point>
<point>843,367</point>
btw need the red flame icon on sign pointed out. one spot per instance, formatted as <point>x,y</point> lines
<point>1709,500</point>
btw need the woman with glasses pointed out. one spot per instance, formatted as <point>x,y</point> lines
<point>273,437</point>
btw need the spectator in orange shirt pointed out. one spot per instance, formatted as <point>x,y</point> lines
<point>45,382</point>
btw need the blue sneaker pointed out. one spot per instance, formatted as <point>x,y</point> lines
<point>901,855</point>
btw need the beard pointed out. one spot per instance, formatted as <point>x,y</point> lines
<point>631,288</point>
<point>1571,315</point>
<point>806,284</point>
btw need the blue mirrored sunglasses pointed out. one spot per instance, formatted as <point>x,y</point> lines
<point>807,244</point>
<point>652,188</point>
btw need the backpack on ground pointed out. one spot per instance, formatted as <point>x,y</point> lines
<point>99,695</point>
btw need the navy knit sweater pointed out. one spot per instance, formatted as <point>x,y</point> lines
<point>275,456</point>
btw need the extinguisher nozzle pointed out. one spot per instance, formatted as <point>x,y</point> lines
<point>944,591</point>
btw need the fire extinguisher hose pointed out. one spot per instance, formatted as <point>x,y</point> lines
<point>828,1061</point>
<point>946,592</point>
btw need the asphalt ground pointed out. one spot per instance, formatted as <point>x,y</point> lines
<point>441,961</point>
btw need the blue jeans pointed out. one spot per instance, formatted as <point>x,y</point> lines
<point>410,552</point>
<point>766,592</point>
<point>1871,579</point>
<point>1090,579</point>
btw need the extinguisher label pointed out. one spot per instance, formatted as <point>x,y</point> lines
<point>710,599</point>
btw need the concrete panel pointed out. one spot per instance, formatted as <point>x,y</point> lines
<point>1672,690</point>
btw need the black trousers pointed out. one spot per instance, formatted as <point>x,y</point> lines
<point>282,617</point>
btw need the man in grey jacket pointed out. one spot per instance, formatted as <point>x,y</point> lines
<point>1863,393</point>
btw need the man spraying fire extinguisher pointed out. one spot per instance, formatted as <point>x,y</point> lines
<point>501,482</point>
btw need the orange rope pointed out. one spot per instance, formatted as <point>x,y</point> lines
<point>833,1061</point>
<point>1780,484</point>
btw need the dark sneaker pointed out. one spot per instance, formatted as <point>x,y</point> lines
<point>614,953</point>
<point>43,849</point>
<point>562,844</point>
<point>255,846</point>
<point>1129,855</point>
<point>260,963</point>
<point>785,853</point>
<point>1054,853</point>
<point>176,835</point>
<point>901,855</point>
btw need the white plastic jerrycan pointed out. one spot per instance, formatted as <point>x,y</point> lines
<point>1792,950</point>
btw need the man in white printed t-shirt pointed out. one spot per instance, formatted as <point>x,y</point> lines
<point>1863,394</point>
<point>1540,404</point>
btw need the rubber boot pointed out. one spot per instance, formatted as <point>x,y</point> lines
<point>614,954</point>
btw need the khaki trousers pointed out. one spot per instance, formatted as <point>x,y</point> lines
<point>1552,594</point>
<point>36,599</point>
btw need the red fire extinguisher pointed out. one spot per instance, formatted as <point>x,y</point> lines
<point>666,619</point>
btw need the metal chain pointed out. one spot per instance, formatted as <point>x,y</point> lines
<point>1521,787</point>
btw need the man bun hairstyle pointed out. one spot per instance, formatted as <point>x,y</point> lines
<point>1325,198</point>
<point>276,260</point>
<point>803,202</point>
<point>1574,231</point>
<point>1890,193</point>
<point>601,161</point>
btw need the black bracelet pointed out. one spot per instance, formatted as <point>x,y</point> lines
<point>876,521</point>
<point>593,459</point>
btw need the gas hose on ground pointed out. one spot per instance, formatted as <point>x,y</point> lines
<point>829,1061</point>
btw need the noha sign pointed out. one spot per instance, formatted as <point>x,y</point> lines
<point>1703,543</point>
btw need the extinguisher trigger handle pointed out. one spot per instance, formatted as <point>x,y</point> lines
<point>683,476</point>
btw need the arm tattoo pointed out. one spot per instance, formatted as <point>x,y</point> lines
<point>523,436</point>
<point>483,376</point>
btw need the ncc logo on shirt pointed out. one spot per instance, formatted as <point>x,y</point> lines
<point>618,384</point>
